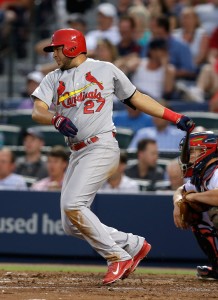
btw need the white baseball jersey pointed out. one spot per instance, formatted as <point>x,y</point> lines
<point>212,185</point>
<point>85,95</point>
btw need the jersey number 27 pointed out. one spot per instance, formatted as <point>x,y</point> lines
<point>89,106</point>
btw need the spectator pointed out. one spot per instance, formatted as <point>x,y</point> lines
<point>156,71</point>
<point>43,15</point>
<point>169,8</point>
<point>119,182</point>
<point>15,16</point>
<point>213,47</point>
<point>166,136</point>
<point>194,35</point>
<point>208,15</point>
<point>105,51</point>
<point>206,87</point>
<point>7,17</point>
<point>107,28</point>
<point>132,119</point>
<point>33,80</point>
<point>174,174</point>
<point>179,52</point>
<point>128,48</point>
<point>127,44</point>
<point>122,7</point>
<point>77,21</point>
<point>141,16</point>
<point>9,180</point>
<point>146,167</point>
<point>33,163</point>
<point>56,165</point>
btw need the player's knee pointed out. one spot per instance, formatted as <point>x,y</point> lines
<point>68,207</point>
<point>76,205</point>
<point>213,215</point>
<point>68,224</point>
<point>66,228</point>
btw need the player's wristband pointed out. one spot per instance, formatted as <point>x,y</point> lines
<point>54,118</point>
<point>171,116</point>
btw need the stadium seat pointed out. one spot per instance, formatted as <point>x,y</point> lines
<point>169,154</point>
<point>52,136</point>
<point>162,162</point>
<point>180,106</point>
<point>124,137</point>
<point>11,134</point>
<point>22,118</point>
<point>144,185</point>
<point>208,120</point>
<point>162,185</point>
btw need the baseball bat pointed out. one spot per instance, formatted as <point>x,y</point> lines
<point>185,153</point>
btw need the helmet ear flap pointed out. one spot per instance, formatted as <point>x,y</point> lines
<point>69,51</point>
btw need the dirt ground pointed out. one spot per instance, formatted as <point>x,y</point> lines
<point>88,286</point>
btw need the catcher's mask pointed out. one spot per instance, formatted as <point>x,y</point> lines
<point>72,40</point>
<point>203,147</point>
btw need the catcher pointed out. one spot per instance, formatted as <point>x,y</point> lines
<point>196,202</point>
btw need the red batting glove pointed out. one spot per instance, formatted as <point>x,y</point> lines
<point>182,122</point>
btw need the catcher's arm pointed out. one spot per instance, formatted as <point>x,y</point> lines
<point>188,213</point>
<point>208,197</point>
<point>177,198</point>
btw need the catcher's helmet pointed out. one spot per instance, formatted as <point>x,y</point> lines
<point>206,142</point>
<point>72,40</point>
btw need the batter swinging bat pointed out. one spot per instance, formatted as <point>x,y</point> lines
<point>185,153</point>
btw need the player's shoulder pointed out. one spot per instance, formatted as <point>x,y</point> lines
<point>54,74</point>
<point>213,182</point>
<point>188,186</point>
<point>215,175</point>
<point>100,63</point>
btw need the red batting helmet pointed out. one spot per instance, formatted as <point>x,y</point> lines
<point>206,142</point>
<point>72,40</point>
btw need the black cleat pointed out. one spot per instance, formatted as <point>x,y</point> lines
<point>206,273</point>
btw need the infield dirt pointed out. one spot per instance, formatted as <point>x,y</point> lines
<point>88,286</point>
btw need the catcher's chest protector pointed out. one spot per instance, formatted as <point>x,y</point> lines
<point>201,183</point>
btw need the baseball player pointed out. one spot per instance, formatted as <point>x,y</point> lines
<point>202,193</point>
<point>82,90</point>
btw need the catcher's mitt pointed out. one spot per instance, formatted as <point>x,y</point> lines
<point>191,212</point>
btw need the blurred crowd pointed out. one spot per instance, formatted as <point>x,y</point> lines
<point>39,172</point>
<point>168,49</point>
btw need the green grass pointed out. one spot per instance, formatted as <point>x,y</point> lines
<point>86,268</point>
<point>51,268</point>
